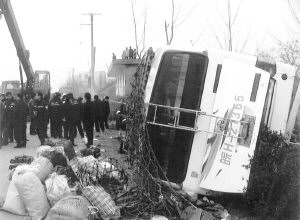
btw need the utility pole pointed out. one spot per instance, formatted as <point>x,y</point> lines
<point>93,51</point>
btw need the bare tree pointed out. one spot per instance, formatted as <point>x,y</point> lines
<point>142,40</point>
<point>175,21</point>
<point>226,39</point>
<point>294,11</point>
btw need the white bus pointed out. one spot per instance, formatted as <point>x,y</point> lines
<point>204,110</point>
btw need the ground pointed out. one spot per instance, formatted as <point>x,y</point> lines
<point>107,141</point>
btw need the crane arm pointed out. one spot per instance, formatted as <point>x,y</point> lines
<point>23,54</point>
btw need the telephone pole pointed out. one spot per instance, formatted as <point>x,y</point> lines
<point>93,51</point>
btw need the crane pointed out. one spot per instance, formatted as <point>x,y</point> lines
<point>38,81</point>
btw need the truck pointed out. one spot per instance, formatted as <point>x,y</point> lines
<point>204,109</point>
<point>38,81</point>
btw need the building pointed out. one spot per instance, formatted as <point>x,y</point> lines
<point>123,70</point>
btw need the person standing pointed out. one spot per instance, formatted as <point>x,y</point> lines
<point>2,118</point>
<point>106,111</point>
<point>31,103</point>
<point>98,113</point>
<point>55,114</point>
<point>69,117</point>
<point>41,113</point>
<point>78,116</point>
<point>9,114</point>
<point>20,119</point>
<point>64,124</point>
<point>88,118</point>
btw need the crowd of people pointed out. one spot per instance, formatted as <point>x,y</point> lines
<point>65,114</point>
<point>129,53</point>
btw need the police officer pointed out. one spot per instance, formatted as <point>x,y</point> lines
<point>31,103</point>
<point>106,111</point>
<point>20,118</point>
<point>56,115</point>
<point>9,114</point>
<point>64,123</point>
<point>69,117</point>
<point>78,116</point>
<point>2,118</point>
<point>41,112</point>
<point>98,114</point>
<point>88,118</point>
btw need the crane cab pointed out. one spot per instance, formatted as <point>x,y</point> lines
<point>204,110</point>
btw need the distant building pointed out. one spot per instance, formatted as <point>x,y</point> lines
<point>123,70</point>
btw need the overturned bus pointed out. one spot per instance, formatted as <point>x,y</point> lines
<point>204,111</point>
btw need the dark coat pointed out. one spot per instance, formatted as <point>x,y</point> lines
<point>2,115</point>
<point>56,109</point>
<point>41,112</point>
<point>88,113</point>
<point>106,109</point>
<point>9,111</point>
<point>69,112</point>
<point>98,106</point>
<point>20,112</point>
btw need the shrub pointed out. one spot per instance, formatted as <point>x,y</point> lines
<point>273,188</point>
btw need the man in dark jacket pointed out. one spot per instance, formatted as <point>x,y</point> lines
<point>31,103</point>
<point>106,111</point>
<point>64,123</point>
<point>9,114</point>
<point>78,116</point>
<point>56,115</point>
<point>42,118</point>
<point>88,118</point>
<point>99,122</point>
<point>20,118</point>
<point>2,118</point>
<point>69,117</point>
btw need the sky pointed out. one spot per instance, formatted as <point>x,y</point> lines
<point>57,41</point>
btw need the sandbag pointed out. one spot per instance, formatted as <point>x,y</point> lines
<point>57,188</point>
<point>32,194</point>
<point>43,167</point>
<point>69,208</point>
<point>102,200</point>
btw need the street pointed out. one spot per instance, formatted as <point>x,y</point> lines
<point>109,147</point>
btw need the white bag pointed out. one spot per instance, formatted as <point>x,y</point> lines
<point>13,202</point>
<point>43,167</point>
<point>43,149</point>
<point>32,194</point>
<point>57,188</point>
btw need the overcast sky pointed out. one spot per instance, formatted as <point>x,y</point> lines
<point>57,42</point>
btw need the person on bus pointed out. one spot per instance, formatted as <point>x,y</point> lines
<point>9,122</point>
<point>55,114</point>
<point>20,120</point>
<point>40,110</point>
<point>88,118</point>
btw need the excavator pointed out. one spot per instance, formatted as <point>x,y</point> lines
<point>38,81</point>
